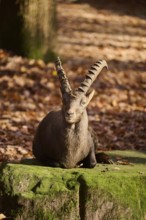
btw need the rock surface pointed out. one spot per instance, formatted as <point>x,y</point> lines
<point>107,192</point>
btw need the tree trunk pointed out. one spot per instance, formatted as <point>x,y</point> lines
<point>28,27</point>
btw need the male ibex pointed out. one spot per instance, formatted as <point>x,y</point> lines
<point>63,138</point>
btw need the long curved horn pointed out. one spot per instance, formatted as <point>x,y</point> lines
<point>91,75</point>
<point>65,86</point>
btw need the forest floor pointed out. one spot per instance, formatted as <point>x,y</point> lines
<point>86,33</point>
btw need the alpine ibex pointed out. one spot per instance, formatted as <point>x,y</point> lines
<point>63,138</point>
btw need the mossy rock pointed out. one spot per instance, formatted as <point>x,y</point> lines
<point>107,192</point>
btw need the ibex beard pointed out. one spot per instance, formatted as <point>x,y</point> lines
<point>63,138</point>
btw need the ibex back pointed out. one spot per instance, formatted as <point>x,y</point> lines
<point>63,138</point>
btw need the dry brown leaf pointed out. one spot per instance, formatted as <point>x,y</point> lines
<point>2,216</point>
<point>29,89</point>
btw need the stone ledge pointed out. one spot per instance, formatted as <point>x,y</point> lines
<point>106,192</point>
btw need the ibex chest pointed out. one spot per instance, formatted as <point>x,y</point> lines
<point>76,142</point>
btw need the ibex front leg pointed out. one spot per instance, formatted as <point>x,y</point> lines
<point>90,160</point>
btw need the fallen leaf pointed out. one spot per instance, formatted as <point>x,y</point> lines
<point>2,216</point>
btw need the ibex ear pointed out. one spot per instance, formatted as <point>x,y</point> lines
<point>90,95</point>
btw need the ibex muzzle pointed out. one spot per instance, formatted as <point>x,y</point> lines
<point>63,138</point>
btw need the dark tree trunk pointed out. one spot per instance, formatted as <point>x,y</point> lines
<point>28,27</point>
<point>11,24</point>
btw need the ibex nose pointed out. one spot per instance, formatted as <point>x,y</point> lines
<point>70,113</point>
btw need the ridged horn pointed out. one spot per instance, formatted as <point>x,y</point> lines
<point>65,86</point>
<point>91,75</point>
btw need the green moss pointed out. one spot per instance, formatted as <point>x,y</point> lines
<point>53,189</point>
<point>127,190</point>
<point>136,157</point>
<point>116,191</point>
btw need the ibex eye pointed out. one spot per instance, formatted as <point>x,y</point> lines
<point>83,102</point>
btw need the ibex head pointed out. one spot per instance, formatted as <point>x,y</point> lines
<point>75,102</point>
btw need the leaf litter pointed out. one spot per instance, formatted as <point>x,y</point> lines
<point>29,89</point>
